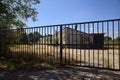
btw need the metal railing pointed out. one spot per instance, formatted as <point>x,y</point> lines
<point>93,44</point>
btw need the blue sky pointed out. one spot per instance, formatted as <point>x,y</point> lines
<point>70,11</point>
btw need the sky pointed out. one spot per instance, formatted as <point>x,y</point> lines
<point>70,11</point>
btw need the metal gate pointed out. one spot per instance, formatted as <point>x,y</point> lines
<point>93,44</point>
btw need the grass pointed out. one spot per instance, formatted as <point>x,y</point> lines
<point>22,64</point>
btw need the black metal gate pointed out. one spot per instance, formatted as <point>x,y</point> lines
<point>93,44</point>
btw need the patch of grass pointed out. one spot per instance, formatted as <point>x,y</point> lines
<point>21,64</point>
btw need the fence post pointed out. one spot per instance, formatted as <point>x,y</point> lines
<point>2,41</point>
<point>61,46</point>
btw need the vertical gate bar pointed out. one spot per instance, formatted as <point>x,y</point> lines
<point>80,44</point>
<point>72,48</point>
<point>113,45</point>
<point>68,34</point>
<point>76,43</point>
<point>42,43</point>
<point>48,42</point>
<point>84,46</point>
<point>18,34</point>
<point>65,46</point>
<point>19,54</point>
<point>51,45</point>
<point>57,42</point>
<point>45,45</point>
<point>26,47</point>
<point>34,45</point>
<point>108,41</point>
<point>119,41</point>
<point>54,45</point>
<point>68,43</point>
<point>39,56</point>
<point>25,44</point>
<point>103,50</point>
<point>21,44</point>
<point>89,44</point>
<point>65,33</point>
<point>82,49</point>
<point>38,45</point>
<point>16,41</point>
<point>93,48</point>
<point>29,43</point>
<point>99,42</point>
<point>13,42</point>
<point>47,56</point>
<point>61,45</point>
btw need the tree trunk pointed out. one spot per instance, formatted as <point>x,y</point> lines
<point>2,41</point>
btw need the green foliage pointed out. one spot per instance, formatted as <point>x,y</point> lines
<point>20,36</point>
<point>24,38</point>
<point>75,27</point>
<point>111,41</point>
<point>118,39</point>
<point>107,39</point>
<point>34,37</point>
<point>55,41</point>
<point>14,13</point>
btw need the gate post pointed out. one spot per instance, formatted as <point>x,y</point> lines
<point>61,46</point>
<point>2,41</point>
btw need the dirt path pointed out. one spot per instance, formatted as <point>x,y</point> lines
<point>102,58</point>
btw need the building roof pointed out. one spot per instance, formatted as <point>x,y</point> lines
<point>71,29</point>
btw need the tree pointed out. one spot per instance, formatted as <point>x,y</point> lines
<point>107,38</point>
<point>34,37</point>
<point>23,38</point>
<point>14,13</point>
<point>117,40</point>
<point>75,27</point>
<point>55,41</point>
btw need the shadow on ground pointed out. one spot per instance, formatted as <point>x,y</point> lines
<point>29,70</point>
<point>66,73</point>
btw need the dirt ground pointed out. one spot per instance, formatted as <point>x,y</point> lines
<point>66,73</point>
<point>107,58</point>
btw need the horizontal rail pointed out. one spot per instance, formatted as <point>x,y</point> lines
<point>71,24</point>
